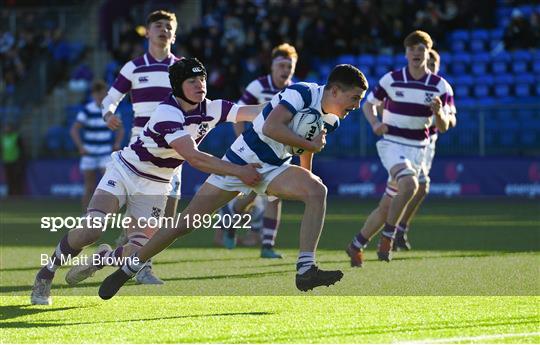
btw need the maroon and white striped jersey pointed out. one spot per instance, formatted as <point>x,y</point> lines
<point>151,155</point>
<point>147,80</point>
<point>406,105</point>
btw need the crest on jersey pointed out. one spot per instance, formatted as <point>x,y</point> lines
<point>143,79</point>
<point>203,129</point>
<point>429,97</point>
<point>156,212</point>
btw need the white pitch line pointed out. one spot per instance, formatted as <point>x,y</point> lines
<point>478,337</point>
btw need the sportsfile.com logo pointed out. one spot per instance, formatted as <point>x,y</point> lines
<point>118,221</point>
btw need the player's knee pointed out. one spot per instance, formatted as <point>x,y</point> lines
<point>423,189</point>
<point>316,190</point>
<point>95,225</point>
<point>408,185</point>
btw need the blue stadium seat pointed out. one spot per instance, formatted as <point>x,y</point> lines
<point>460,62</point>
<point>523,85</point>
<point>480,34</point>
<point>503,85</point>
<point>399,61</point>
<point>536,66</point>
<point>458,46</point>
<point>383,64</point>
<point>366,62</point>
<point>462,35</point>
<point>478,46</point>
<point>446,57</point>
<point>365,59</point>
<point>521,55</point>
<point>480,63</point>
<point>347,59</point>
<point>482,86</point>
<point>500,62</point>
<point>325,69</point>
<point>479,40</point>
<point>462,86</point>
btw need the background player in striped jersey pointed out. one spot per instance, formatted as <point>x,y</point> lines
<point>139,175</point>
<point>146,79</point>
<point>96,144</point>
<point>401,241</point>
<point>414,99</point>
<point>267,144</point>
<point>261,90</point>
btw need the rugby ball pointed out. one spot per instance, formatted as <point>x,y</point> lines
<point>308,124</point>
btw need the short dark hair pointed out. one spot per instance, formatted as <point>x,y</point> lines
<point>98,86</point>
<point>418,37</point>
<point>159,15</point>
<point>347,76</point>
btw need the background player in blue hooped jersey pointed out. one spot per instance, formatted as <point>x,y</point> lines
<point>96,143</point>
<point>267,144</point>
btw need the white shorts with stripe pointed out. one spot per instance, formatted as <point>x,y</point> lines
<point>143,198</point>
<point>392,154</point>
<point>233,183</point>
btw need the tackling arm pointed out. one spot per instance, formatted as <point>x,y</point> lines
<point>249,112</point>
<point>187,148</point>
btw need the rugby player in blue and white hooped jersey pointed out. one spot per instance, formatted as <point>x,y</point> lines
<point>414,100</point>
<point>146,79</point>
<point>96,143</point>
<point>139,175</point>
<point>267,144</point>
<point>265,214</point>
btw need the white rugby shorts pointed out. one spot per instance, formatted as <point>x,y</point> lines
<point>143,198</point>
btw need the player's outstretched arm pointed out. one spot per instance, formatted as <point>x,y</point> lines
<point>249,112</point>
<point>276,127</point>
<point>187,148</point>
<point>370,113</point>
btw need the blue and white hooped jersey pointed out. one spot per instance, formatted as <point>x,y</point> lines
<point>297,98</point>
<point>97,138</point>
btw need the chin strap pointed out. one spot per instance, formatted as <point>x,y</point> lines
<point>187,100</point>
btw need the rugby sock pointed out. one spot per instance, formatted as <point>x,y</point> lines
<point>305,261</point>
<point>269,232</point>
<point>389,231</point>
<point>359,242</point>
<point>114,255</point>
<point>132,266</point>
<point>63,249</point>
<point>402,227</point>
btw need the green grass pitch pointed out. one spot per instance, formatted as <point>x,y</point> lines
<point>473,277</point>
